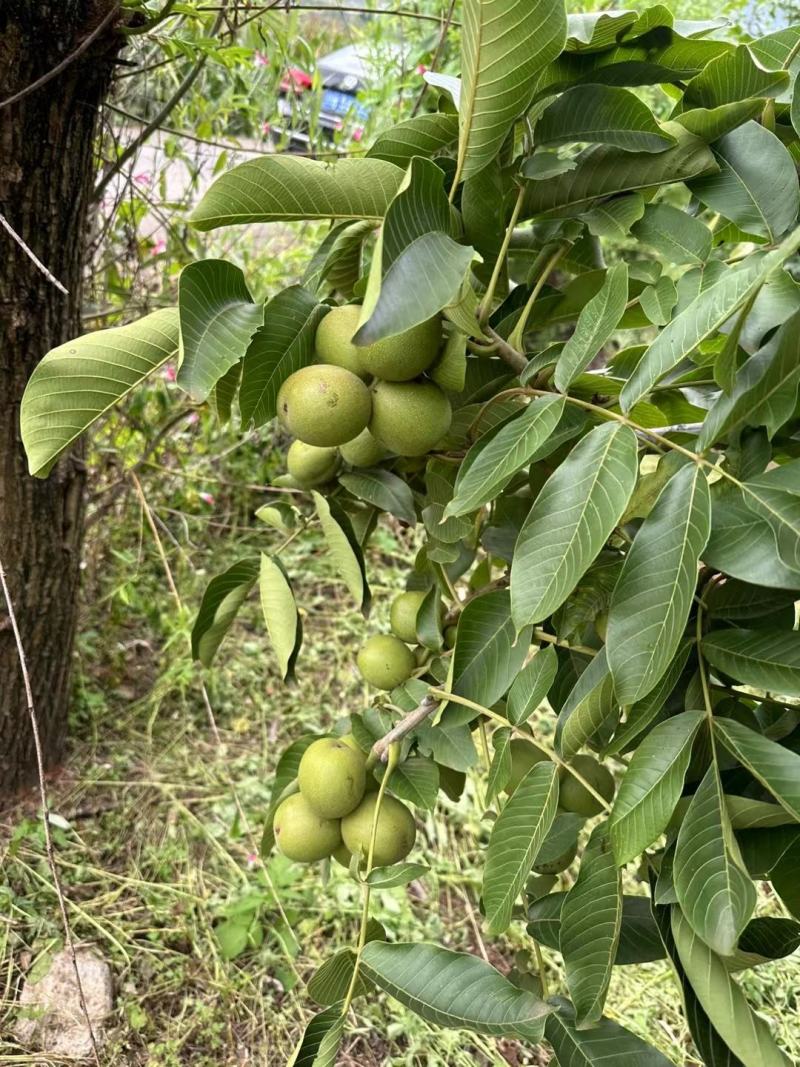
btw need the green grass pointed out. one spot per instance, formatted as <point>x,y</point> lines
<point>157,822</point>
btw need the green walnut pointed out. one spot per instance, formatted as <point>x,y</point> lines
<point>409,418</point>
<point>524,755</point>
<point>371,785</point>
<point>385,662</point>
<point>334,339</point>
<point>394,836</point>
<point>324,405</point>
<point>404,356</point>
<point>574,796</point>
<point>331,777</point>
<point>311,465</point>
<point>303,835</point>
<point>403,614</point>
<point>363,451</point>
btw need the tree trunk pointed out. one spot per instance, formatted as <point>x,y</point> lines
<point>46,176</point>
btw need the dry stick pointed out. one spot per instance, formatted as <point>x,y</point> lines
<point>51,859</point>
<point>210,711</point>
<point>45,78</point>
<point>31,254</point>
<point>380,750</point>
<point>332,8</point>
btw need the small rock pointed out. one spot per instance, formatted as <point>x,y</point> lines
<point>51,1018</point>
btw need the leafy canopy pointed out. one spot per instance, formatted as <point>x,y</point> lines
<point>607,229</point>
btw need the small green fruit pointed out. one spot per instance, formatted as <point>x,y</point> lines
<point>574,796</point>
<point>395,832</point>
<point>303,835</point>
<point>409,418</point>
<point>333,341</point>
<point>342,855</point>
<point>451,782</point>
<point>450,634</point>
<point>363,451</point>
<point>331,777</point>
<point>385,662</point>
<point>524,755</point>
<point>601,625</point>
<point>404,356</point>
<point>403,614</point>
<point>371,785</point>
<point>310,465</point>
<point>324,405</point>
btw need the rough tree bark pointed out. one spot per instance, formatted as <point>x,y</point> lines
<point>46,175</point>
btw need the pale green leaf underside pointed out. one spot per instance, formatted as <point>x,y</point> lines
<point>602,1045</point>
<point>221,601</point>
<point>715,895</point>
<point>286,187</point>
<point>776,767</point>
<point>571,520</point>
<point>652,786</point>
<point>453,989</point>
<point>490,464</point>
<point>218,318</point>
<point>515,840</point>
<point>652,599</point>
<point>280,612</point>
<point>764,659</point>
<point>602,114</point>
<point>78,382</point>
<point>598,319</point>
<point>504,46</point>
<point>591,916</point>
<point>345,553</point>
<point>746,1034</point>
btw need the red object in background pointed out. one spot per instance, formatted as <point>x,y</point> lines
<point>296,80</point>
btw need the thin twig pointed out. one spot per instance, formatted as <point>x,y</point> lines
<point>31,254</point>
<point>48,840</point>
<point>380,750</point>
<point>165,111</point>
<point>45,78</point>
<point>333,9</point>
<point>448,21</point>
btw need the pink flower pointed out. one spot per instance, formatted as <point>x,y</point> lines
<point>422,69</point>
<point>170,373</point>
<point>207,498</point>
<point>143,178</point>
<point>266,128</point>
<point>192,418</point>
<point>260,60</point>
<point>159,246</point>
<point>252,859</point>
<point>358,133</point>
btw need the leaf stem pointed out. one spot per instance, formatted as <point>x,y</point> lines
<point>394,758</point>
<point>517,334</point>
<point>488,299</point>
<point>443,695</point>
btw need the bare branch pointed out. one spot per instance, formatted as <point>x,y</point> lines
<point>380,750</point>
<point>65,62</point>
<point>31,254</point>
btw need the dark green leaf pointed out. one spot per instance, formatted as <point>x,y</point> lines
<point>416,780</point>
<point>399,874</point>
<point>590,710</point>
<point>422,135</point>
<point>331,980</point>
<point>675,235</point>
<point>756,186</point>
<point>764,659</point>
<point>454,989</point>
<point>604,115</point>
<point>639,940</point>
<point>531,685</point>
<point>776,767</point>
<point>606,1042</point>
<point>384,490</point>
<point>280,613</point>
<point>284,344</point>
<point>596,323</point>
<point>733,77</point>
<point>500,768</point>
<point>344,549</point>
<point>319,1045</point>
